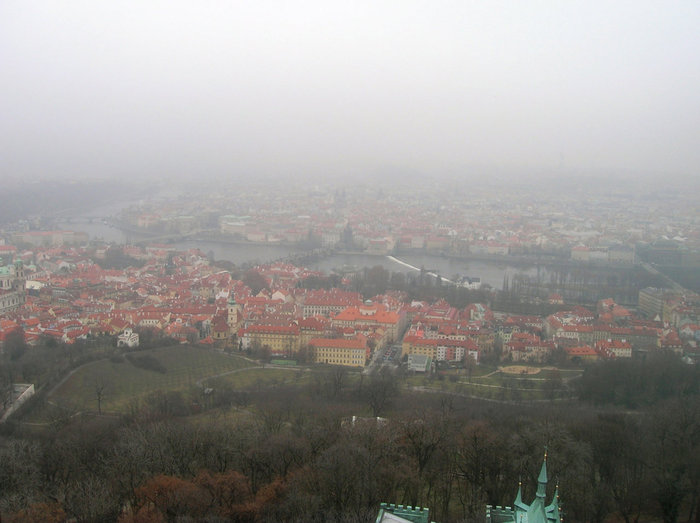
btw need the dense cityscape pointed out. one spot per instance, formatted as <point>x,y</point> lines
<point>349,262</point>
<point>92,331</point>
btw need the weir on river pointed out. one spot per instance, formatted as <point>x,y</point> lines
<point>413,267</point>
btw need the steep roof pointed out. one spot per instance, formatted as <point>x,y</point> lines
<point>535,512</point>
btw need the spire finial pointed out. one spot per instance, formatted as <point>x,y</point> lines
<point>519,497</point>
<point>542,479</point>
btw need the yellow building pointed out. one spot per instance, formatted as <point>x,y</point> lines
<point>310,328</point>
<point>282,340</point>
<point>351,353</point>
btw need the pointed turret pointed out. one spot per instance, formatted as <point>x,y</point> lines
<point>553,513</point>
<point>518,503</point>
<point>537,511</point>
<point>542,479</point>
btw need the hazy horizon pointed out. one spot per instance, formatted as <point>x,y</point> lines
<point>348,90</point>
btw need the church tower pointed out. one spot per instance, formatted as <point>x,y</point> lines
<point>536,512</point>
<point>234,311</point>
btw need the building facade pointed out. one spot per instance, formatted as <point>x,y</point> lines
<point>12,287</point>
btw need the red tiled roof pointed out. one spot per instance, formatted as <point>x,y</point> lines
<point>581,351</point>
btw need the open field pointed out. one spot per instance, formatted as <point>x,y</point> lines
<point>123,382</point>
<point>537,383</point>
<point>520,369</point>
<point>264,377</point>
<point>183,367</point>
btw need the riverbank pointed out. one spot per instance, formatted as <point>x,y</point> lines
<point>210,236</point>
<point>491,269</point>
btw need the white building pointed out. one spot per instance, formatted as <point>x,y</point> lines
<point>128,338</point>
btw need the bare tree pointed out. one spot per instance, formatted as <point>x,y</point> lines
<point>380,390</point>
<point>469,366</point>
<point>337,378</point>
<point>101,389</point>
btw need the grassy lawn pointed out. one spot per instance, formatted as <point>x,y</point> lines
<point>483,370</point>
<point>569,373</point>
<point>123,382</point>
<point>493,379</point>
<point>491,383</point>
<point>185,367</point>
<point>269,376</point>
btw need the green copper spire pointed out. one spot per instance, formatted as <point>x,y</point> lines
<point>518,503</point>
<point>553,509</point>
<point>519,498</point>
<point>536,512</point>
<point>542,479</point>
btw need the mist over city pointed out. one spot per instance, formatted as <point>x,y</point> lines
<point>338,90</point>
<point>349,262</point>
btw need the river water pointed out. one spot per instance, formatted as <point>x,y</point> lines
<point>490,273</point>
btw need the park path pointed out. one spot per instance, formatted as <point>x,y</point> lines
<point>564,379</point>
<point>66,378</point>
<point>200,382</point>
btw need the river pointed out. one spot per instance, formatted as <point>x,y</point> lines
<point>491,273</point>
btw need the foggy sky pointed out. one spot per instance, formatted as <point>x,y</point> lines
<point>342,88</point>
